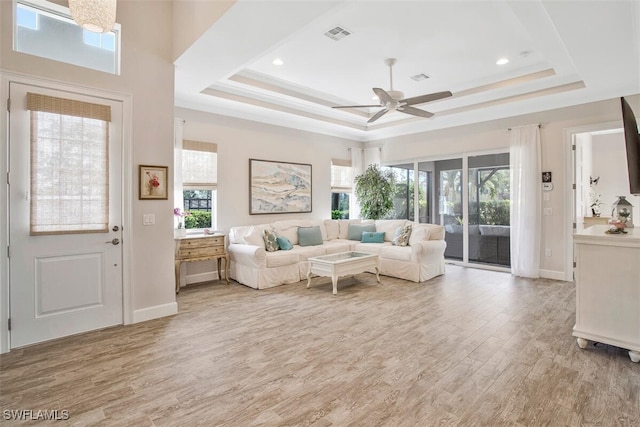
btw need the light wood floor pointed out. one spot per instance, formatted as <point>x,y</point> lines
<point>468,348</point>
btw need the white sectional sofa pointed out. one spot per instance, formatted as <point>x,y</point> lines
<point>254,266</point>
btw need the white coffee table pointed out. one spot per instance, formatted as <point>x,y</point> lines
<point>342,264</point>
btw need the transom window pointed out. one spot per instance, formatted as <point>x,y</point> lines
<point>45,29</point>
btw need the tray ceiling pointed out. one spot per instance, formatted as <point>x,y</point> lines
<point>561,53</point>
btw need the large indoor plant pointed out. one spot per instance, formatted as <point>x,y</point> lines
<point>375,189</point>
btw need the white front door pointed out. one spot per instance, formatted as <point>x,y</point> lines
<point>65,274</point>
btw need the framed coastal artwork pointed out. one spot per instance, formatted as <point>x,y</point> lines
<point>153,182</point>
<point>279,187</point>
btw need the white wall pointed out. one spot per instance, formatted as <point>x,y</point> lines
<point>147,75</point>
<point>239,140</point>
<point>609,162</point>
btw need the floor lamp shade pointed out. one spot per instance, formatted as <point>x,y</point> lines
<point>98,16</point>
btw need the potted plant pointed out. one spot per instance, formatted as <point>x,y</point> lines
<point>375,189</point>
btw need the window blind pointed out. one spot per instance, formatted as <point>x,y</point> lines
<point>341,174</point>
<point>69,166</point>
<point>199,164</point>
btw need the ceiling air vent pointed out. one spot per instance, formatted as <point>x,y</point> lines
<point>420,77</point>
<point>337,33</point>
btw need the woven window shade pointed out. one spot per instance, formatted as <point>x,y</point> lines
<point>69,166</point>
<point>68,107</point>
<point>341,174</point>
<point>199,164</point>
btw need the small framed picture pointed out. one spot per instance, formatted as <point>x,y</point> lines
<point>153,182</point>
<point>546,176</point>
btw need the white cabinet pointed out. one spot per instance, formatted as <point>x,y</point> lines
<point>608,288</point>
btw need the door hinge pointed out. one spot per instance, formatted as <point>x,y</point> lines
<point>574,225</point>
<point>9,104</point>
<point>9,324</point>
<point>574,186</point>
<point>8,251</point>
<point>573,147</point>
<point>574,264</point>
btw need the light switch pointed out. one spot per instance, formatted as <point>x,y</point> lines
<point>148,219</point>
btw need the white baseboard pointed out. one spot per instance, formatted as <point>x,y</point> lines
<point>155,312</point>
<point>551,274</point>
<point>201,277</point>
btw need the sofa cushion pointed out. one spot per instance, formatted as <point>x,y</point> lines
<point>419,233</point>
<point>495,230</point>
<point>370,248</point>
<point>306,252</point>
<point>398,253</point>
<point>389,226</point>
<point>255,235</point>
<point>343,226</point>
<point>289,228</point>
<point>284,243</point>
<point>309,236</point>
<point>372,237</point>
<point>338,245</point>
<point>332,227</point>
<point>402,235</point>
<point>270,240</point>
<point>355,230</point>
<point>281,258</point>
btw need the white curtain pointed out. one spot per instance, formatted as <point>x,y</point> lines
<point>371,156</point>
<point>357,163</point>
<point>178,130</point>
<point>526,187</point>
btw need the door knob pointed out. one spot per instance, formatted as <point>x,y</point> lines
<point>115,228</point>
<point>114,241</point>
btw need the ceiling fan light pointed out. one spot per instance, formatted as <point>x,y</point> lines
<point>98,16</point>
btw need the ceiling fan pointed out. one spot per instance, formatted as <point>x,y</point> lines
<point>393,100</point>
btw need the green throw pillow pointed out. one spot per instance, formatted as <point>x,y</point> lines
<point>372,237</point>
<point>401,238</point>
<point>270,240</point>
<point>356,230</point>
<point>309,236</point>
<point>284,243</point>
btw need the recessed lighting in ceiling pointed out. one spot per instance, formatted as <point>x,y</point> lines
<point>502,61</point>
<point>277,61</point>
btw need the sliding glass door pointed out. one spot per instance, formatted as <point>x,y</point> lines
<point>489,193</point>
<point>476,220</point>
<point>449,205</point>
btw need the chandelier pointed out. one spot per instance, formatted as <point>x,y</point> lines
<point>98,16</point>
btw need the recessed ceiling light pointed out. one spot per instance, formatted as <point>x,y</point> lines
<point>502,61</point>
<point>278,61</point>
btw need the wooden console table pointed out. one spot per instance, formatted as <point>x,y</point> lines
<point>201,248</point>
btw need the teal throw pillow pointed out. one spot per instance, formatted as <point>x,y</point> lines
<point>372,237</point>
<point>270,240</point>
<point>401,238</point>
<point>284,243</point>
<point>356,230</point>
<point>309,236</point>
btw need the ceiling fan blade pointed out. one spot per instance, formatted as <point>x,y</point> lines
<point>356,106</point>
<point>383,96</point>
<point>378,115</point>
<point>415,111</point>
<point>426,98</point>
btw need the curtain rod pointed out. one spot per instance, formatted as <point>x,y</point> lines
<point>539,126</point>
